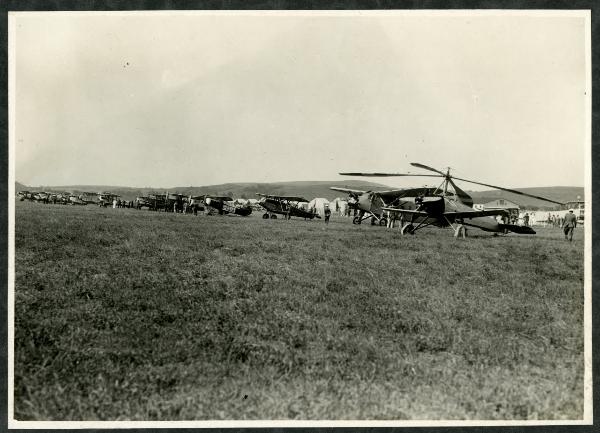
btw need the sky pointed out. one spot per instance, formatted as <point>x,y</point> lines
<point>189,99</point>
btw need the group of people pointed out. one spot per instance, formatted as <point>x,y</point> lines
<point>555,220</point>
<point>118,203</point>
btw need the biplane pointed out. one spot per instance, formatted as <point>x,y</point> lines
<point>284,205</point>
<point>195,203</point>
<point>88,197</point>
<point>156,202</point>
<point>370,204</point>
<point>76,200</point>
<point>25,195</point>
<point>62,197</point>
<point>449,206</point>
<point>41,196</point>
<point>142,201</point>
<point>225,205</point>
<point>175,202</point>
<point>106,198</point>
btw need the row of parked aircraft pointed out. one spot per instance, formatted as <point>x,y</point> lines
<point>446,205</point>
<point>173,202</point>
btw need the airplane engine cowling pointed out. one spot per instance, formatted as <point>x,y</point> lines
<point>432,205</point>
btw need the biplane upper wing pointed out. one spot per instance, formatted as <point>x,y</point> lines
<point>219,197</point>
<point>283,197</point>
<point>347,190</point>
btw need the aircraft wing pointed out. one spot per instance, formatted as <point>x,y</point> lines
<point>462,214</point>
<point>220,197</point>
<point>475,213</point>
<point>284,197</point>
<point>406,211</point>
<point>348,190</point>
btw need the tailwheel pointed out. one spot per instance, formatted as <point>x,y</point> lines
<point>408,228</point>
<point>356,220</point>
<point>273,217</point>
<point>383,222</point>
<point>265,216</point>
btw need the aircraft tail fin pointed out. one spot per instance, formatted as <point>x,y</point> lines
<point>522,230</point>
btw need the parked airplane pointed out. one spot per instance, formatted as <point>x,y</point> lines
<point>370,204</point>
<point>284,205</point>
<point>445,208</point>
<point>224,205</point>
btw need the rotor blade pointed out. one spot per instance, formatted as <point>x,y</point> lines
<point>388,174</point>
<point>426,167</point>
<point>514,191</point>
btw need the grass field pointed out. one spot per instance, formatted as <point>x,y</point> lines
<point>134,315</point>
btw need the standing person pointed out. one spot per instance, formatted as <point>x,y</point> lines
<point>526,219</point>
<point>327,213</point>
<point>569,225</point>
<point>391,219</point>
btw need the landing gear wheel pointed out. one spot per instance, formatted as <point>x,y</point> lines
<point>273,217</point>
<point>383,222</point>
<point>265,216</point>
<point>356,220</point>
<point>408,229</point>
<point>460,231</point>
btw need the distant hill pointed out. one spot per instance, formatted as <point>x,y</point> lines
<point>20,187</point>
<point>307,189</point>
<point>312,189</point>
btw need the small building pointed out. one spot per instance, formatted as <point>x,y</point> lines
<point>578,207</point>
<point>574,204</point>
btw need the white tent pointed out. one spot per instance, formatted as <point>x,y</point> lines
<point>303,205</point>
<point>338,205</point>
<point>319,205</point>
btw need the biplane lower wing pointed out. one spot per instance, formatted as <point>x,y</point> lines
<point>407,211</point>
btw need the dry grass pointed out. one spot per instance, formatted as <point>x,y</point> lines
<point>135,315</point>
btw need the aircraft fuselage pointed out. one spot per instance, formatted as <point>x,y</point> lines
<point>284,208</point>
